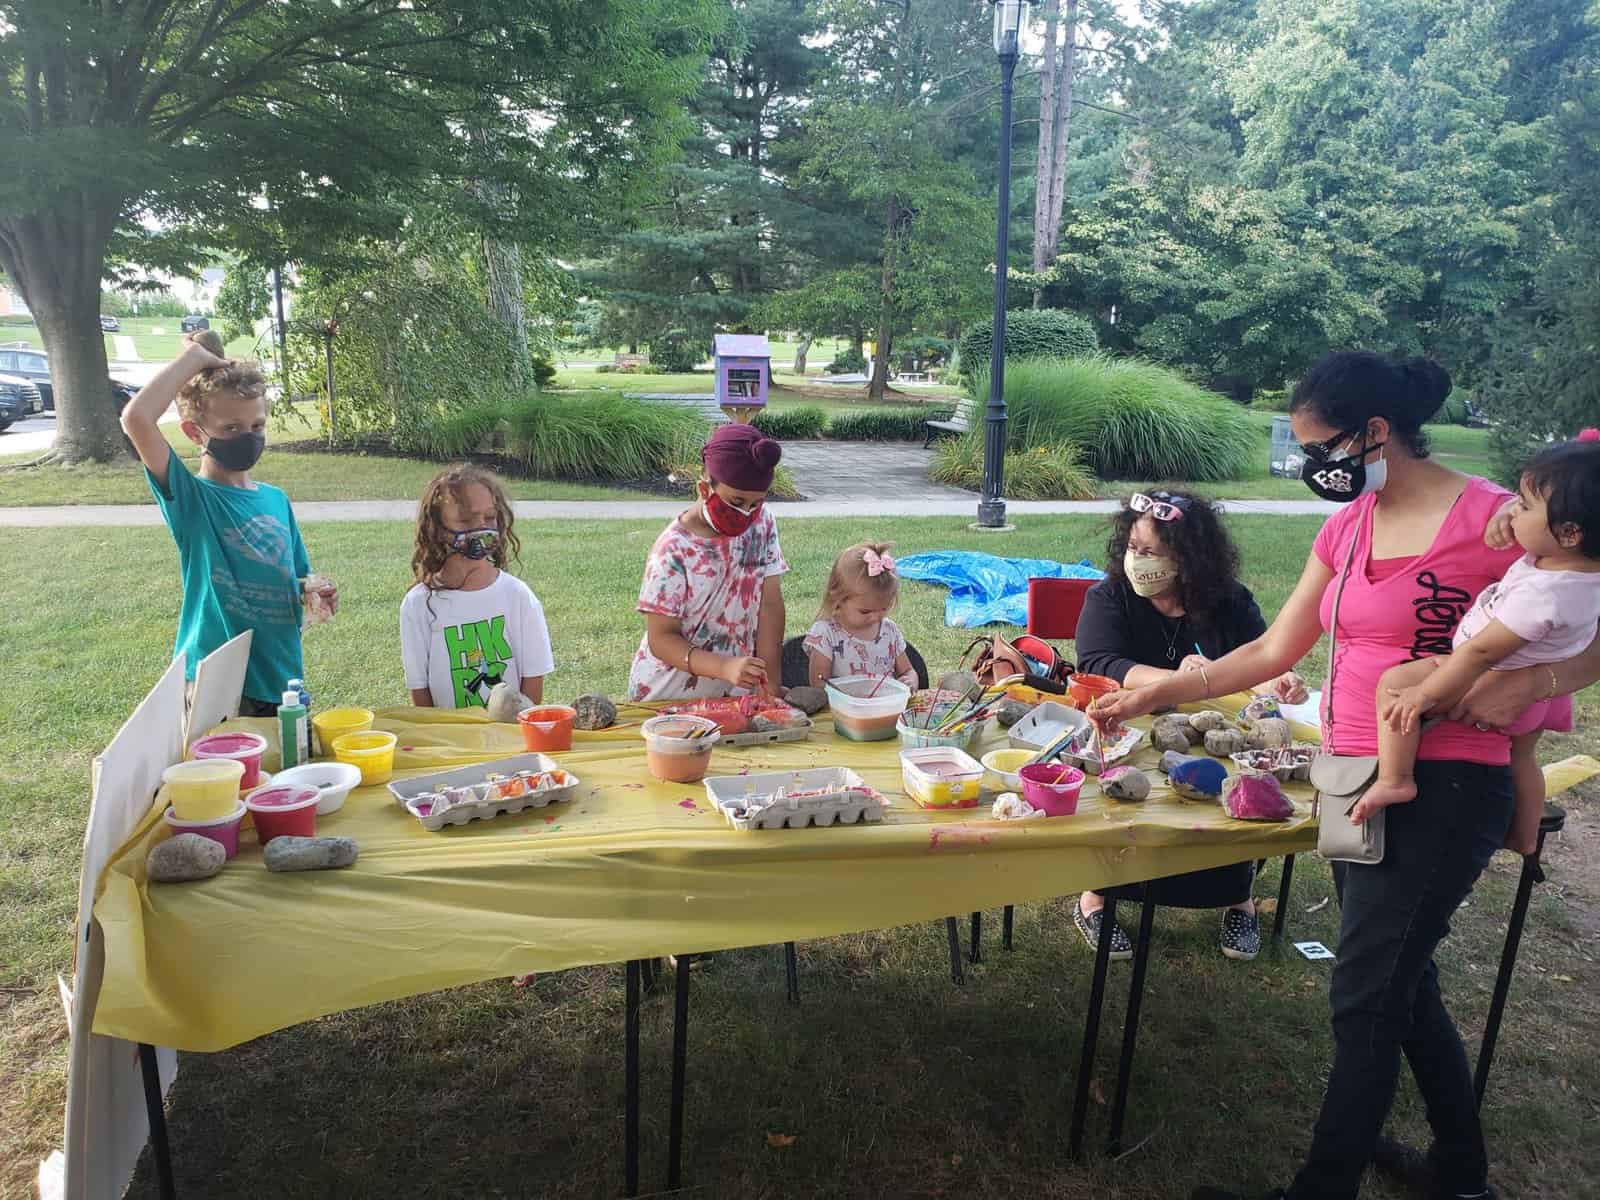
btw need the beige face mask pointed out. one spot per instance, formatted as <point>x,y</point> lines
<point>1149,574</point>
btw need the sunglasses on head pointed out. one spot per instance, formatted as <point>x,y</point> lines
<point>1163,506</point>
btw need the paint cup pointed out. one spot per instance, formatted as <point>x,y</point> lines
<point>333,782</point>
<point>283,810</point>
<point>333,723</point>
<point>678,748</point>
<point>1001,767</point>
<point>204,789</point>
<point>372,751</point>
<point>548,727</point>
<point>1052,788</point>
<point>246,747</point>
<point>1086,689</point>
<point>222,830</point>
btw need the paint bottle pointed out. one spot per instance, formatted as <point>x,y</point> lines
<point>293,731</point>
<point>299,687</point>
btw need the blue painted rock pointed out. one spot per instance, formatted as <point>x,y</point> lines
<point>1198,779</point>
<point>1172,758</point>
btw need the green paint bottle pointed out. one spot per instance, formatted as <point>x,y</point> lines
<point>293,731</point>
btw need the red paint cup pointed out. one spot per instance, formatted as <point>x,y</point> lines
<point>246,747</point>
<point>548,727</point>
<point>283,810</point>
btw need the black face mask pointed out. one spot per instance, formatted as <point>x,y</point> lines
<point>237,453</point>
<point>475,543</point>
<point>1347,478</point>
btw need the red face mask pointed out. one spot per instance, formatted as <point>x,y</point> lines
<point>725,518</point>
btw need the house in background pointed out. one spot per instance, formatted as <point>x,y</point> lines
<point>11,302</point>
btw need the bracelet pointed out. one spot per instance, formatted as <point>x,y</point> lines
<point>1555,684</point>
<point>1205,679</point>
<point>688,663</point>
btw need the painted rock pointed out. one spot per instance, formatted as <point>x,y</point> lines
<point>1256,796</point>
<point>1173,758</point>
<point>808,700</point>
<point>594,712</point>
<point>1269,733</point>
<point>1125,783</point>
<point>761,724</point>
<point>1209,720</point>
<point>1171,733</point>
<point>1198,779</point>
<point>1010,712</point>
<point>1260,708</point>
<point>184,857</point>
<point>309,854</point>
<point>505,702</point>
<point>1223,742</point>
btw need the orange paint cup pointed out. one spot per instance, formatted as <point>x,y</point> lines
<point>1086,689</point>
<point>547,727</point>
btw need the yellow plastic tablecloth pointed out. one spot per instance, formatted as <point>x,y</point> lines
<point>629,868</point>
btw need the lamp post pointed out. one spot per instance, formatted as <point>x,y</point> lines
<point>1008,18</point>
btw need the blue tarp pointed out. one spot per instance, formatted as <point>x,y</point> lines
<point>984,589</point>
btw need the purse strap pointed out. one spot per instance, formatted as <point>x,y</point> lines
<point>1333,624</point>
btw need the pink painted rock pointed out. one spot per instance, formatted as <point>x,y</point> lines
<point>1256,796</point>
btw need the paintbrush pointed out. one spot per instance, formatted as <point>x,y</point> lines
<point>878,685</point>
<point>963,709</point>
<point>1053,749</point>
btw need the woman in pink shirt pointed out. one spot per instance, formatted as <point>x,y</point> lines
<point>1413,536</point>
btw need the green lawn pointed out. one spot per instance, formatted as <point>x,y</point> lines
<point>156,339</point>
<point>891,1081</point>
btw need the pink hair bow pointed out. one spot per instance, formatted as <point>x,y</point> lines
<point>878,564</point>
<point>1589,435</point>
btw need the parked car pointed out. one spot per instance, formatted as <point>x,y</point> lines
<point>18,399</point>
<point>28,361</point>
<point>33,365</point>
<point>194,323</point>
<point>109,324</point>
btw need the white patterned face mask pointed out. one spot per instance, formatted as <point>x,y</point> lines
<point>1149,574</point>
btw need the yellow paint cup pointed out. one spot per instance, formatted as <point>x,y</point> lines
<point>206,789</point>
<point>371,751</point>
<point>332,724</point>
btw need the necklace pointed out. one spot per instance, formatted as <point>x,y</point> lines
<point>1172,638</point>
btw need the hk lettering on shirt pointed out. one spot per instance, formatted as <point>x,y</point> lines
<point>478,653</point>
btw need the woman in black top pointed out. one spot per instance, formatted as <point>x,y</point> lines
<point>1172,601</point>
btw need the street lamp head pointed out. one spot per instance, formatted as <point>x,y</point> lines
<point>1008,18</point>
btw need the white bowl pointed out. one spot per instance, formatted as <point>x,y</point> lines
<point>333,780</point>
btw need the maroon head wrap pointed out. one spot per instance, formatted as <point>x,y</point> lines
<point>742,457</point>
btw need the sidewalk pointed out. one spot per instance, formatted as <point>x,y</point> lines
<point>310,511</point>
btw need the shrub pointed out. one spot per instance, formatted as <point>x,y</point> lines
<point>849,361</point>
<point>601,435</point>
<point>605,369</point>
<point>543,368</point>
<point>461,431</point>
<point>880,425</point>
<point>1453,412</point>
<point>791,424</point>
<point>1030,333</point>
<point>1038,473</point>
<point>678,351</point>
<point>930,352</point>
<point>1132,419</point>
<point>1272,401</point>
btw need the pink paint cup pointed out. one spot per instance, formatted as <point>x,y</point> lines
<point>283,810</point>
<point>246,747</point>
<point>1051,788</point>
<point>222,830</point>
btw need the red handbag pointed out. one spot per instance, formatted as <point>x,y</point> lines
<point>994,658</point>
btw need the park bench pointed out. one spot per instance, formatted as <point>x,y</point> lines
<point>704,404</point>
<point>957,421</point>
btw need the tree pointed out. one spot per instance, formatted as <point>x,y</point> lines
<point>242,299</point>
<point>1057,76</point>
<point>162,129</point>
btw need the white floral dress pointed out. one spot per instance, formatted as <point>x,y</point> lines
<point>854,656</point>
<point>713,585</point>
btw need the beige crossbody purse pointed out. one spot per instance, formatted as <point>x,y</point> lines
<point>1340,780</point>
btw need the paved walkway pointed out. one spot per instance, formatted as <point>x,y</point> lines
<point>840,470</point>
<point>309,511</point>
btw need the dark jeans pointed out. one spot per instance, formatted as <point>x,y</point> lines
<point>1385,988</point>
<point>256,708</point>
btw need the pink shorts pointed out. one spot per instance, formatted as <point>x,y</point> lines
<point>1548,716</point>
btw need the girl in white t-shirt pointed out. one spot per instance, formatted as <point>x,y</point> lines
<point>853,634</point>
<point>467,624</point>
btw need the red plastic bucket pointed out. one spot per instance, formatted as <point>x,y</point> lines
<point>548,727</point>
<point>283,810</point>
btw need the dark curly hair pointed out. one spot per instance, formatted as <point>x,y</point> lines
<point>1208,561</point>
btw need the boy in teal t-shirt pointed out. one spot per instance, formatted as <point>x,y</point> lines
<point>239,547</point>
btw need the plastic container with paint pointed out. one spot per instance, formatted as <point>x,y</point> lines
<point>547,727</point>
<point>204,789</point>
<point>247,748</point>
<point>678,748</point>
<point>283,810</point>
<point>866,708</point>
<point>372,751</point>
<point>223,830</point>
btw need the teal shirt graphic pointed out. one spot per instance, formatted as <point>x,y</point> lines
<point>478,653</point>
<point>242,560</point>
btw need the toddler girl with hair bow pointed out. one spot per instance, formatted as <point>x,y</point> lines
<point>853,634</point>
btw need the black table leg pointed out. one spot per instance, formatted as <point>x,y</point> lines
<point>1130,1023</point>
<point>976,951</point>
<point>791,970</point>
<point>1091,1027</point>
<point>647,973</point>
<point>1532,873</point>
<point>630,1080</point>
<point>1284,881</point>
<point>1005,928</point>
<point>157,1112</point>
<point>954,934</point>
<point>680,1054</point>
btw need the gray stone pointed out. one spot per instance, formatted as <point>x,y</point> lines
<point>957,681</point>
<point>594,712</point>
<point>1125,783</point>
<point>505,702</point>
<point>808,700</point>
<point>184,857</point>
<point>1010,712</point>
<point>309,854</point>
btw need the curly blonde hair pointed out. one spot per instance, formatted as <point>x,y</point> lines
<point>849,576</point>
<point>239,377</point>
<point>433,537</point>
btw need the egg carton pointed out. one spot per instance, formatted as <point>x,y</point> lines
<point>766,737</point>
<point>415,795</point>
<point>795,799</point>
<point>1119,752</point>
<point>1288,765</point>
<point>1045,725</point>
